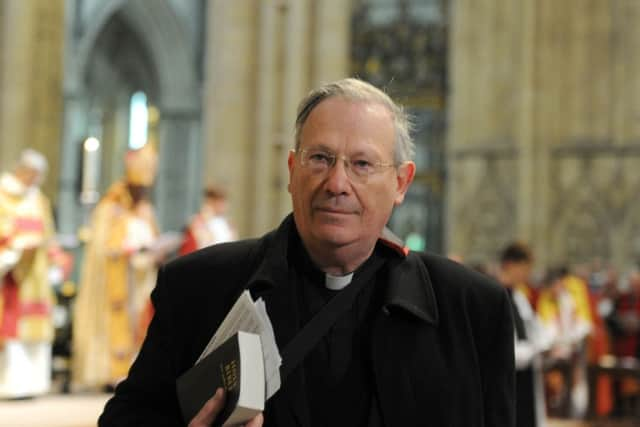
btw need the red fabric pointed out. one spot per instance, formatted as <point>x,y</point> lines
<point>29,224</point>
<point>35,309</point>
<point>10,308</point>
<point>599,345</point>
<point>627,345</point>
<point>402,250</point>
<point>145,320</point>
<point>189,244</point>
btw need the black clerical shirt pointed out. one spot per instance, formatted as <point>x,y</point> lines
<point>338,373</point>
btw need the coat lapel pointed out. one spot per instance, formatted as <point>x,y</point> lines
<point>389,349</point>
<point>289,402</point>
<point>271,281</point>
<point>409,291</point>
<point>408,305</point>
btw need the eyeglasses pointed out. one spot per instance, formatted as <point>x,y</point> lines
<point>359,169</point>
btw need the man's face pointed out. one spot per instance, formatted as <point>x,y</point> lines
<point>28,176</point>
<point>517,272</point>
<point>215,206</point>
<point>331,209</point>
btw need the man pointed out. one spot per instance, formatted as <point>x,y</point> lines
<point>565,315</point>
<point>624,324</point>
<point>117,277</point>
<point>426,341</point>
<point>210,225</point>
<point>26,297</point>
<point>516,262</point>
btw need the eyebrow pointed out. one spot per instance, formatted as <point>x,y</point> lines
<point>359,152</point>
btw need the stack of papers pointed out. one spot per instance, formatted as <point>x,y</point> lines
<point>249,316</point>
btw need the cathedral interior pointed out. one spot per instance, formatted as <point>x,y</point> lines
<point>525,114</point>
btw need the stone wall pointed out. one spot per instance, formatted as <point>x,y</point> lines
<point>263,56</point>
<point>544,129</point>
<point>31,45</point>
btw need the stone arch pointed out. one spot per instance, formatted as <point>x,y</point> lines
<point>169,44</point>
<point>170,50</point>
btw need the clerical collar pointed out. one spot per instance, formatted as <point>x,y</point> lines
<point>336,283</point>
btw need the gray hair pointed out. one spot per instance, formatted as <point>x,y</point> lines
<point>358,90</point>
<point>33,159</point>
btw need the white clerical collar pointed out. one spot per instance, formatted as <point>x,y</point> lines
<point>336,283</point>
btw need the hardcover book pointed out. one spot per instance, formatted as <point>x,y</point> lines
<point>237,365</point>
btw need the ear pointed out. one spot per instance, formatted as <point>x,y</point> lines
<point>405,175</point>
<point>291,161</point>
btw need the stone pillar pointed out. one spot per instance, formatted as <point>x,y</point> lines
<point>295,84</point>
<point>528,223</point>
<point>331,42</point>
<point>17,39</point>
<point>267,140</point>
<point>486,95</point>
<point>280,49</point>
<point>31,83</point>
<point>229,104</point>
<point>178,171</point>
<point>74,125</point>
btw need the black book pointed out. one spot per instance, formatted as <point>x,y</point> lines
<point>238,367</point>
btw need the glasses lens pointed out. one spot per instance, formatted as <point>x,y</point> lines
<point>320,162</point>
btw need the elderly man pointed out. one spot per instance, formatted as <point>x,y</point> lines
<point>425,342</point>
<point>26,297</point>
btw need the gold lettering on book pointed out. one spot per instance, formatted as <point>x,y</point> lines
<point>230,375</point>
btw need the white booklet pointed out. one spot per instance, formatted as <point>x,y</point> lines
<point>249,316</point>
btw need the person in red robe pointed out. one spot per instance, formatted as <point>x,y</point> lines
<point>210,225</point>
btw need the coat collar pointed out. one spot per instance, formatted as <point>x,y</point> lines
<point>410,291</point>
<point>410,288</point>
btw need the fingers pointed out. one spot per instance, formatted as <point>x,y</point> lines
<point>256,421</point>
<point>210,410</point>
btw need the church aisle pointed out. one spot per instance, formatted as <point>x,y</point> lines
<point>82,410</point>
<point>70,410</point>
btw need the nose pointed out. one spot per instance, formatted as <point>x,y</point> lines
<point>337,180</point>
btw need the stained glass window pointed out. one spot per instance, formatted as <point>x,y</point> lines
<point>401,46</point>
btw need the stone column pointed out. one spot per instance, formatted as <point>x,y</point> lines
<point>17,39</point>
<point>178,150</point>
<point>75,130</point>
<point>528,223</point>
<point>331,40</point>
<point>229,104</point>
<point>31,84</point>
<point>262,58</point>
<point>266,182</point>
<point>294,86</point>
<point>483,141</point>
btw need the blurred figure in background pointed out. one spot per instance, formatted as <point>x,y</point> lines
<point>624,323</point>
<point>566,318</point>
<point>516,262</point>
<point>118,274</point>
<point>26,297</point>
<point>210,225</point>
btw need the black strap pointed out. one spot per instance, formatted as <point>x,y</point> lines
<point>296,350</point>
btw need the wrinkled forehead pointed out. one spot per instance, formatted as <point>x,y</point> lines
<point>340,120</point>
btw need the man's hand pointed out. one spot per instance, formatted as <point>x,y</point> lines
<point>212,408</point>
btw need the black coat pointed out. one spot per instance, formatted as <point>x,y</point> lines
<point>442,347</point>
